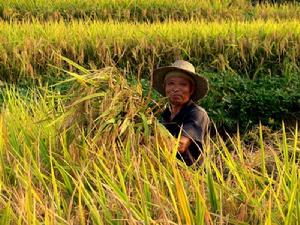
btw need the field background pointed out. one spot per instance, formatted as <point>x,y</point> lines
<point>79,138</point>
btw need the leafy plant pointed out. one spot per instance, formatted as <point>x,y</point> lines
<point>235,101</point>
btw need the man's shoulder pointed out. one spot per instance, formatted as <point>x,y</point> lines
<point>197,109</point>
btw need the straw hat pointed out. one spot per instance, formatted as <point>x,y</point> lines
<point>201,82</point>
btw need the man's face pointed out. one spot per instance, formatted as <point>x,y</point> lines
<point>178,89</point>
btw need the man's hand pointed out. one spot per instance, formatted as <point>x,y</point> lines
<point>184,143</point>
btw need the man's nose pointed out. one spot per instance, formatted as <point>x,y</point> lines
<point>175,88</point>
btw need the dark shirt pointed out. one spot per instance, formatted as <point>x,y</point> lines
<point>194,122</point>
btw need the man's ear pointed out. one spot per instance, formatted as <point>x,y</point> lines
<point>164,88</point>
<point>193,88</point>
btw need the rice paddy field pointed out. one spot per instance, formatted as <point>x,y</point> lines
<point>80,139</point>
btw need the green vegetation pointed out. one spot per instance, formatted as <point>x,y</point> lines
<point>247,48</point>
<point>235,100</point>
<point>146,10</point>
<point>84,146</point>
<point>99,156</point>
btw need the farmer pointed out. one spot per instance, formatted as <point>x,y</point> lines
<point>183,87</point>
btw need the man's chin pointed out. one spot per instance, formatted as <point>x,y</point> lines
<point>176,102</point>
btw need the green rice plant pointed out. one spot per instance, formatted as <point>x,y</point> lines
<point>98,155</point>
<point>251,49</point>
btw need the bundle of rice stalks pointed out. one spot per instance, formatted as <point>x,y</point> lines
<point>108,111</point>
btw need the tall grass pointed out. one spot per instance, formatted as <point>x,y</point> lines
<point>141,10</point>
<point>98,155</point>
<point>248,48</point>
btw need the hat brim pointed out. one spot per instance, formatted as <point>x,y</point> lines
<point>201,82</point>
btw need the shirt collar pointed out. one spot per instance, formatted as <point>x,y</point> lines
<point>167,112</point>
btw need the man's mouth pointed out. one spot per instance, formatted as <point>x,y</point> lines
<point>175,96</point>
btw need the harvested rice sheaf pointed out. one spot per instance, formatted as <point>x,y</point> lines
<point>110,111</point>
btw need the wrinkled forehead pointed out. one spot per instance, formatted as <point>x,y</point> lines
<point>180,74</point>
